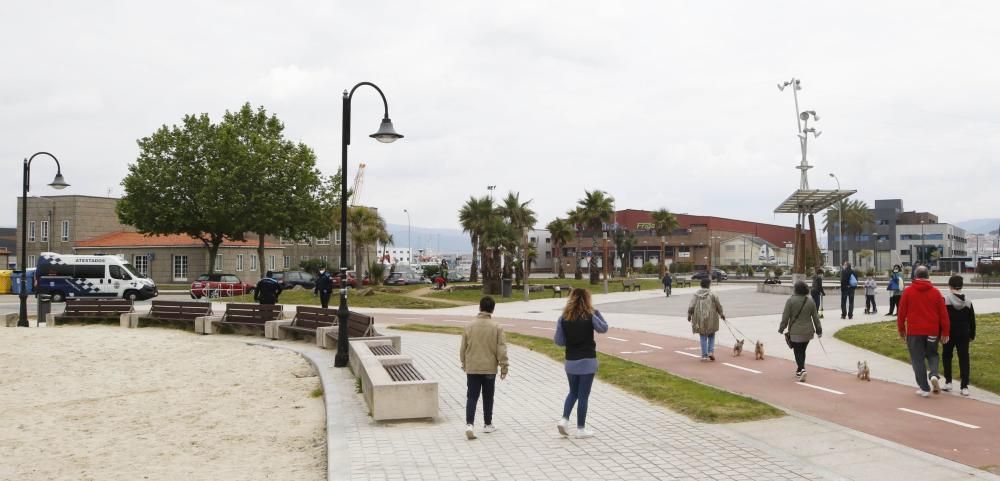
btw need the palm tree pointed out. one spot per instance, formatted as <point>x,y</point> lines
<point>364,228</point>
<point>560,232</point>
<point>521,218</point>
<point>496,239</point>
<point>664,222</point>
<point>576,220</point>
<point>474,216</point>
<point>595,210</point>
<point>856,215</point>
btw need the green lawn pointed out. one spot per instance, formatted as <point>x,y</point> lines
<point>984,352</point>
<point>697,401</point>
<point>379,299</point>
<point>472,296</point>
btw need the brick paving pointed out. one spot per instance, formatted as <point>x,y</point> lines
<point>634,439</point>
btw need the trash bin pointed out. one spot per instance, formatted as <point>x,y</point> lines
<point>44,307</point>
<point>5,286</point>
<point>505,287</point>
<point>15,280</point>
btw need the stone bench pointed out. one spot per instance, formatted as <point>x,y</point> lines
<point>252,317</point>
<point>392,386</point>
<point>371,346</point>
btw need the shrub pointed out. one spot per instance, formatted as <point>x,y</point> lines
<point>778,271</point>
<point>377,271</point>
<point>431,271</point>
<point>650,268</point>
<point>312,266</point>
<point>681,267</point>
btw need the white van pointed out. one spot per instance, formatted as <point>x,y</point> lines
<point>70,276</point>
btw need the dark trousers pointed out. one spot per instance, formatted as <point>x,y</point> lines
<point>893,302</point>
<point>870,303</point>
<point>847,302</point>
<point>476,383</point>
<point>817,300</point>
<point>579,393</point>
<point>962,346</point>
<point>799,349</point>
<point>923,356</point>
<point>324,298</point>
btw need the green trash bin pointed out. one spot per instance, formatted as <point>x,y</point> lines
<point>5,281</point>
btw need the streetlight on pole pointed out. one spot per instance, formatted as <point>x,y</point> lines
<point>409,238</point>
<point>840,222</point>
<point>385,134</point>
<point>58,183</point>
<point>921,255</point>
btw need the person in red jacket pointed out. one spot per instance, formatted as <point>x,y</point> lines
<point>923,320</point>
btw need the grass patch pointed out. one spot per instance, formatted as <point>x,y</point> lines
<point>318,392</point>
<point>694,400</point>
<point>984,352</point>
<point>472,296</point>
<point>379,299</point>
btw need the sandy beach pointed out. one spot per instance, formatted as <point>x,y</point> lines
<point>106,403</point>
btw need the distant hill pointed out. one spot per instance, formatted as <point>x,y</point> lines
<point>445,241</point>
<point>980,226</point>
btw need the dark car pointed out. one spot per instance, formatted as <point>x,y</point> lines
<point>717,275</point>
<point>290,279</point>
<point>219,285</point>
<point>403,279</point>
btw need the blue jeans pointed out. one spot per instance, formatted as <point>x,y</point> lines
<point>476,383</point>
<point>707,344</point>
<point>579,393</point>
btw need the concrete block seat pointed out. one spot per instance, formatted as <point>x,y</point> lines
<point>392,385</point>
<point>92,311</point>
<point>179,314</point>
<point>250,318</point>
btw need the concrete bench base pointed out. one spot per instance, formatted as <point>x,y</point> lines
<point>10,320</point>
<point>272,329</point>
<point>362,345</point>
<point>388,399</point>
<point>204,324</point>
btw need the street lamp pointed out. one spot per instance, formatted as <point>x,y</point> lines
<point>385,134</point>
<point>58,183</point>
<point>840,222</point>
<point>409,239</point>
<point>920,256</point>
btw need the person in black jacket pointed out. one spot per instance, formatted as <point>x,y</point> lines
<point>963,331</point>
<point>267,290</point>
<point>847,291</point>
<point>324,286</point>
<point>817,291</point>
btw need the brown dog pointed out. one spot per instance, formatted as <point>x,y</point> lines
<point>758,351</point>
<point>738,348</point>
<point>864,373</point>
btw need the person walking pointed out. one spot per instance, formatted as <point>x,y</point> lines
<point>484,348</point>
<point>962,317</point>
<point>575,331</point>
<point>848,282</point>
<point>667,283</point>
<point>801,318</point>
<point>922,320</point>
<point>704,312</point>
<point>324,286</point>
<point>870,287</point>
<point>817,292</point>
<point>267,290</point>
<point>895,288</point>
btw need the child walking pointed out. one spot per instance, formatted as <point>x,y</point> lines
<point>963,331</point>
<point>870,295</point>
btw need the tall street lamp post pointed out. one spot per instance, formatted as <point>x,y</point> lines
<point>920,256</point>
<point>385,134</point>
<point>409,243</point>
<point>840,223</point>
<point>58,183</point>
<point>663,261</point>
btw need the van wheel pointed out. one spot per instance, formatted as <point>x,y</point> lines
<point>58,297</point>
<point>131,295</point>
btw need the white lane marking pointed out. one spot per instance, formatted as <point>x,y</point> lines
<point>617,339</point>
<point>742,368</point>
<point>636,352</point>
<point>453,320</point>
<point>544,328</point>
<point>694,348</point>
<point>407,318</point>
<point>650,345</point>
<point>818,387</point>
<point>939,418</point>
<point>687,354</point>
<point>506,325</point>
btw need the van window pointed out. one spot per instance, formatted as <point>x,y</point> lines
<point>115,272</point>
<point>89,272</point>
<point>230,279</point>
<point>60,270</point>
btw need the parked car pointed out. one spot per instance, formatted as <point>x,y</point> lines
<point>352,279</point>
<point>717,275</point>
<point>404,279</point>
<point>290,279</point>
<point>219,285</point>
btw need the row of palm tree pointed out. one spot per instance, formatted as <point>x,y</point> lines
<point>498,234</point>
<point>366,228</point>
<point>857,218</point>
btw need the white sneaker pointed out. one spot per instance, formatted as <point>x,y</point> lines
<point>935,385</point>
<point>922,393</point>
<point>965,391</point>
<point>946,387</point>
<point>561,426</point>
<point>802,377</point>
<point>489,428</point>
<point>582,433</point>
<point>469,432</point>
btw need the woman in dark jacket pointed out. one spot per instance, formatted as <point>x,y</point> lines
<point>575,330</point>
<point>817,288</point>
<point>802,321</point>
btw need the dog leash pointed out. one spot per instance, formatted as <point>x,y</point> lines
<point>830,360</point>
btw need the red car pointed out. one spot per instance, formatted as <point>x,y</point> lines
<point>352,279</point>
<point>219,285</point>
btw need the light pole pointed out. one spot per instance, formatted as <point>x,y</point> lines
<point>604,262</point>
<point>58,183</point>
<point>663,261</point>
<point>409,238</point>
<point>920,256</point>
<point>840,223</point>
<point>490,189</point>
<point>385,134</point>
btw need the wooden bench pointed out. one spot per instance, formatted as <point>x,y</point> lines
<point>682,282</point>
<point>179,314</point>
<point>242,316</point>
<point>358,325</point>
<point>557,291</point>
<point>630,284</point>
<point>306,321</point>
<point>90,311</point>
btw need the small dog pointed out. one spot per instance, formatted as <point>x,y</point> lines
<point>864,373</point>
<point>738,348</point>
<point>758,351</point>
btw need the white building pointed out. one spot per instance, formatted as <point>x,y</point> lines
<point>394,255</point>
<point>937,244</point>
<point>542,241</point>
<point>753,251</point>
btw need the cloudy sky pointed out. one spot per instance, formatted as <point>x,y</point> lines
<point>660,103</point>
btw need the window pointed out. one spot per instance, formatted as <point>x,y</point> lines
<point>325,241</point>
<point>31,261</point>
<point>253,262</point>
<point>141,264</point>
<point>548,255</point>
<point>89,272</point>
<point>285,242</point>
<point>218,263</point>
<point>304,241</point>
<point>64,234</point>
<point>336,237</point>
<point>730,248</point>
<point>904,252</point>
<point>288,262</point>
<point>548,240</point>
<point>116,272</point>
<point>303,258</point>
<point>31,231</point>
<point>230,279</point>
<point>180,270</point>
<point>45,231</point>
<point>323,258</point>
<point>239,262</point>
<point>270,263</point>
<point>531,240</point>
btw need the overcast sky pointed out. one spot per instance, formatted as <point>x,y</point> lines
<point>662,104</point>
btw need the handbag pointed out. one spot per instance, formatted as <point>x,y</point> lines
<point>788,334</point>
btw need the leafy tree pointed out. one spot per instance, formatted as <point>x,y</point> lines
<point>560,232</point>
<point>313,266</point>
<point>594,210</point>
<point>474,216</point>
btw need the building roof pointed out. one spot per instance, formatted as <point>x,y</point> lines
<point>775,234</point>
<point>811,201</point>
<point>135,239</point>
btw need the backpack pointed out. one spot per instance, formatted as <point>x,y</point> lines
<point>853,281</point>
<point>702,311</point>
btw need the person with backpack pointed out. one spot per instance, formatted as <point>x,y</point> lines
<point>848,283</point>
<point>870,287</point>
<point>324,286</point>
<point>667,283</point>
<point>963,331</point>
<point>895,288</point>
<point>267,290</point>
<point>575,330</point>
<point>704,312</point>
<point>802,321</point>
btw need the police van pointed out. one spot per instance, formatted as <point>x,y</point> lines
<point>90,276</point>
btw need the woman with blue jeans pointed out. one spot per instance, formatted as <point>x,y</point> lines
<point>704,312</point>
<point>575,330</point>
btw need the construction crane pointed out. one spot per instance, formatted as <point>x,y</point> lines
<point>359,179</point>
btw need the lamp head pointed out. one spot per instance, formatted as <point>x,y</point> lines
<point>59,183</point>
<point>386,134</point>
